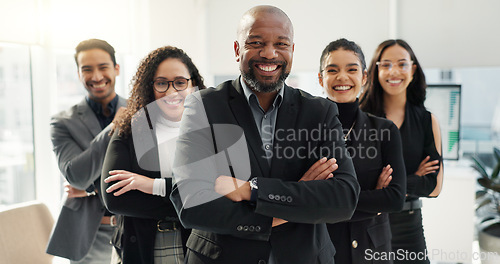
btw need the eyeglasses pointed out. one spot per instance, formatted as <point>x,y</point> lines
<point>387,65</point>
<point>161,85</point>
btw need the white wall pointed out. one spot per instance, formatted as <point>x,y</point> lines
<point>452,33</point>
<point>443,33</point>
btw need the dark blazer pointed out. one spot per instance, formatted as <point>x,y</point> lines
<point>141,212</point>
<point>374,143</point>
<point>240,232</point>
<point>80,145</point>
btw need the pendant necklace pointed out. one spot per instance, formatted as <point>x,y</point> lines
<point>349,132</point>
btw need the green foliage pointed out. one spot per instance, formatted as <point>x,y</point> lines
<point>490,182</point>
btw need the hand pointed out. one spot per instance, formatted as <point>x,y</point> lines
<point>427,166</point>
<point>74,192</point>
<point>321,170</point>
<point>119,113</point>
<point>234,189</point>
<point>385,177</point>
<point>278,221</point>
<point>128,181</point>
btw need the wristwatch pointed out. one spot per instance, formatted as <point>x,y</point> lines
<point>253,184</point>
<point>253,187</point>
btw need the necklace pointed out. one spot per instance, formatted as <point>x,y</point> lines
<point>349,132</point>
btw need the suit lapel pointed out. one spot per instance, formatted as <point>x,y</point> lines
<point>245,120</point>
<point>88,118</point>
<point>286,119</point>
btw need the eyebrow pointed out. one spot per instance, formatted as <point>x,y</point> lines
<point>335,65</point>
<point>260,37</point>
<point>98,65</point>
<point>398,60</point>
<point>176,77</point>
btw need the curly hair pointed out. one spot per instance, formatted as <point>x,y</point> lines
<point>372,99</point>
<point>142,92</point>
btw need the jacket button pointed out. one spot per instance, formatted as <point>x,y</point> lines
<point>354,244</point>
<point>289,199</point>
<point>262,261</point>
<point>245,228</point>
<point>270,196</point>
<point>239,228</point>
<point>283,198</point>
<point>277,197</point>
<point>257,228</point>
<point>251,228</point>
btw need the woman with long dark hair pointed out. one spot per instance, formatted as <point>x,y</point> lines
<point>396,90</point>
<point>137,173</point>
<point>375,147</point>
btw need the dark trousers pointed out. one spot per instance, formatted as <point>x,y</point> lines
<point>408,241</point>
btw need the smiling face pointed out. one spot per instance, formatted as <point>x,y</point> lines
<point>395,80</point>
<point>171,102</point>
<point>264,50</point>
<point>342,76</point>
<point>98,73</point>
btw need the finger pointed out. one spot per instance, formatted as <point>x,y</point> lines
<point>114,172</point>
<point>118,185</point>
<point>123,190</point>
<point>329,176</point>
<point>387,181</point>
<point>118,177</point>
<point>425,160</point>
<point>323,175</point>
<point>431,169</point>
<point>314,166</point>
<point>329,166</point>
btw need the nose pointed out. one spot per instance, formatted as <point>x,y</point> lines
<point>342,75</point>
<point>268,52</point>
<point>394,70</point>
<point>97,76</point>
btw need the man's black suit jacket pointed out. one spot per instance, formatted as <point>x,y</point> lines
<point>307,128</point>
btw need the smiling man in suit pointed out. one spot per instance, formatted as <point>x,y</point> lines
<point>80,138</point>
<point>274,206</point>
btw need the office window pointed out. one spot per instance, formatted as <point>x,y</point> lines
<point>17,178</point>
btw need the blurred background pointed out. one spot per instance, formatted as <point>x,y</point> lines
<point>456,41</point>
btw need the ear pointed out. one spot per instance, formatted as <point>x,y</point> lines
<point>237,50</point>
<point>365,78</point>
<point>320,79</point>
<point>117,69</point>
<point>413,69</point>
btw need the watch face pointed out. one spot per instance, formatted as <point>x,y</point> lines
<point>253,184</point>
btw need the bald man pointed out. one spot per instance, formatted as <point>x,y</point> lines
<point>265,200</point>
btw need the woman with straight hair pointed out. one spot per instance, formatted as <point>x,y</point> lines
<point>396,90</point>
<point>374,144</point>
<point>136,179</point>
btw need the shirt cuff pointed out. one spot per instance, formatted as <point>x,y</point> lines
<point>159,187</point>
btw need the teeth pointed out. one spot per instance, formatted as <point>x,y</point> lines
<point>173,102</point>
<point>99,86</point>
<point>395,81</point>
<point>268,68</point>
<point>342,88</point>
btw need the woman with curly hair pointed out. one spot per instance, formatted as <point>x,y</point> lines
<point>136,179</point>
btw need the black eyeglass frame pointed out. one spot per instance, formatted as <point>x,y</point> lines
<point>173,85</point>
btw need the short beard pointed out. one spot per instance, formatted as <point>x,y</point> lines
<point>252,81</point>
